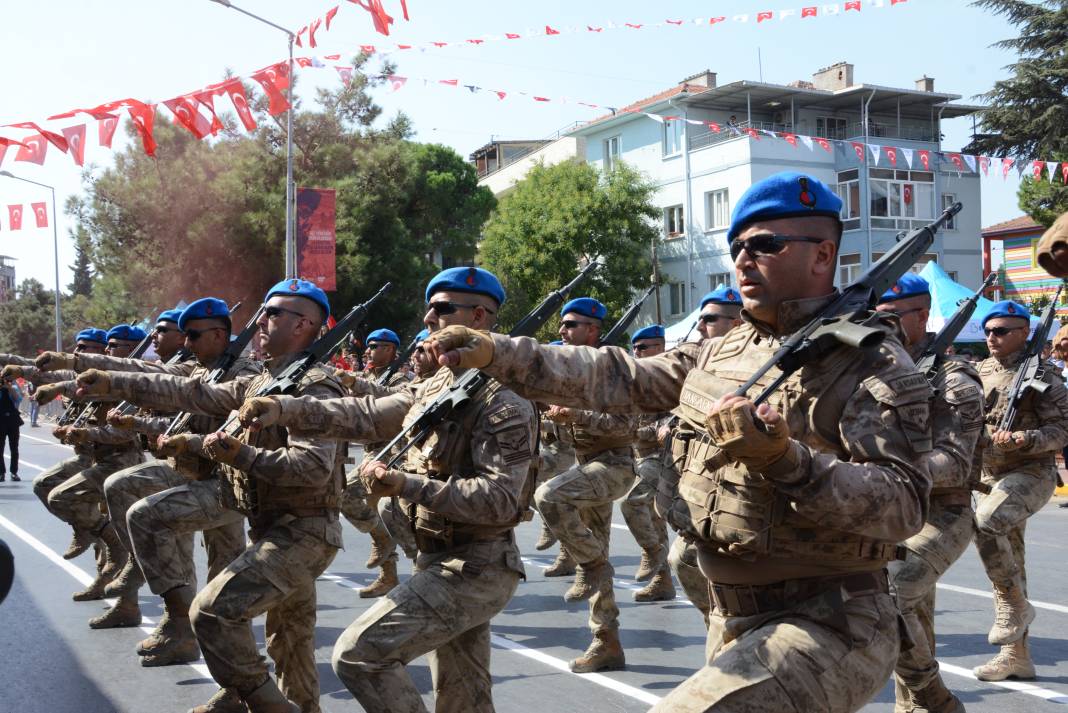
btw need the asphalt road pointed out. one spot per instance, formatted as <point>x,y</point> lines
<point>51,662</point>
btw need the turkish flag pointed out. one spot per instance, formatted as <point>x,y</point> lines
<point>311,32</point>
<point>53,138</point>
<point>925,158</point>
<point>187,115</point>
<point>808,11</point>
<point>1036,169</point>
<point>14,216</point>
<point>236,91</point>
<point>1006,166</point>
<point>404,9</point>
<point>858,148</point>
<point>274,79</point>
<point>891,153</point>
<point>396,81</point>
<point>790,139</point>
<point>853,6</point>
<point>984,163</point>
<point>330,15</point>
<point>300,32</point>
<point>824,143</point>
<point>957,161</point>
<point>4,143</point>
<point>714,126</point>
<point>906,193</point>
<point>346,74</point>
<point>206,99</point>
<point>106,129</point>
<point>753,133</point>
<point>379,15</point>
<point>75,136</point>
<point>41,213</point>
<point>761,16</point>
<point>33,150</point>
<point>551,31</point>
<point>1064,172</point>
<point>450,82</point>
<point>143,116</point>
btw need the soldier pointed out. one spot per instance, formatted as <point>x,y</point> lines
<point>645,524</point>
<point>794,520</point>
<point>288,485</point>
<point>1020,468</point>
<point>953,464</point>
<point>357,506</point>
<point>468,485</point>
<point>721,311</point>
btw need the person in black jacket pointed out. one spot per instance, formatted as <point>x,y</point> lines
<point>10,420</point>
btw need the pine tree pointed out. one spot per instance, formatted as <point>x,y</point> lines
<point>82,268</point>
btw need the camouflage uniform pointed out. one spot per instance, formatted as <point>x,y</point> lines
<point>957,425</point>
<point>289,487</point>
<point>648,528</point>
<point>466,486</point>
<point>796,554</point>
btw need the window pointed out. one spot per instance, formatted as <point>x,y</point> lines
<point>848,190</point>
<point>716,279</point>
<point>673,131</point>
<point>952,275</point>
<point>719,210</point>
<point>900,194</point>
<point>949,199</point>
<point>673,222</point>
<point>848,268</point>
<point>677,298</point>
<point>831,127</point>
<point>612,151</point>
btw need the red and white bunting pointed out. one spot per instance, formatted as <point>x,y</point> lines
<point>40,213</point>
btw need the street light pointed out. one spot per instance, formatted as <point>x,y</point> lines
<point>291,246</point>
<point>55,246</point>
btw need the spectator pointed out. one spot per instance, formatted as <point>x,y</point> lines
<point>35,407</point>
<point>10,421</point>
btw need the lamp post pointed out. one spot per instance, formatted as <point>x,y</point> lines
<point>291,246</point>
<point>55,247</point>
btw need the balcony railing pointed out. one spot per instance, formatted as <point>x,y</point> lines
<point>732,131</point>
<point>877,130</point>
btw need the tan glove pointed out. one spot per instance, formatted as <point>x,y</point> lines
<point>78,436</point>
<point>732,426</point>
<point>120,420</point>
<point>347,378</point>
<point>222,447</point>
<point>259,412</point>
<point>55,361</point>
<point>47,392</point>
<point>382,481</point>
<point>11,371</point>
<point>560,414</point>
<point>1008,441</point>
<point>1052,250</point>
<point>94,382</point>
<point>460,347</point>
<point>176,445</point>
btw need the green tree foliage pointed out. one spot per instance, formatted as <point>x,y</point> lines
<point>82,284</point>
<point>1028,114</point>
<point>27,323</point>
<point>557,216</point>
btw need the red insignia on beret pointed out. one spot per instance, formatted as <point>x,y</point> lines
<point>1011,309</point>
<point>806,198</point>
<point>730,294</point>
<point>294,286</point>
<point>208,309</point>
<point>471,277</point>
<point>896,289</point>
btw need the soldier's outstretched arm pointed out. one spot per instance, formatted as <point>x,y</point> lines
<point>169,393</point>
<point>81,362</point>
<point>15,359</point>
<point>363,419</point>
<point>36,376</point>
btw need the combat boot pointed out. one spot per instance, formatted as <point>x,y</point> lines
<point>903,702</point>
<point>661,589</point>
<point>1012,614</point>
<point>382,547</point>
<point>268,699</point>
<point>605,653</point>
<point>165,628</point>
<point>125,613</point>
<point>80,541</point>
<point>546,539</point>
<point>1013,661</point>
<point>651,562</point>
<point>563,566</point>
<point>227,700</point>
<point>387,580</point>
<point>177,645</point>
<point>935,698</point>
<point>592,577</point>
<point>128,581</point>
<point>95,590</point>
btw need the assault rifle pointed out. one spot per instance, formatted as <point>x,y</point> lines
<point>844,320</point>
<point>320,351</point>
<point>933,356</point>
<point>221,369</point>
<point>467,385</point>
<point>1029,376</point>
<point>624,322</point>
<point>78,421</point>
<point>400,359</point>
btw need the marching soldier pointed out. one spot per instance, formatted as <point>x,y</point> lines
<point>794,519</point>
<point>721,311</point>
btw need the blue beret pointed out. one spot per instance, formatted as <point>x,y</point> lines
<point>784,195</point>
<point>467,279</point>
<point>722,295</point>
<point>127,332</point>
<point>909,285</point>
<point>204,308</point>
<point>1007,308</point>
<point>170,315</point>
<point>653,331</point>
<point>92,334</point>
<point>301,288</point>
<point>383,335</point>
<point>587,307</point>
<point>421,337</point>
<point>556,343</point>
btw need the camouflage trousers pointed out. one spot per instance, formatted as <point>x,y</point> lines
<point>555,459</point>
<point>58,474</point>
<point>125,488</point>
<point>648,528</point>
<point>398,524</point>
<point>80,500</point>
<point>161,528</point>
<point>944,538</point>
<point>275,575</point>
<point>361,510</point>
<point>443,611</point>
<point>822,655</point>
<point>682,558</point>
<point>577,506</point>
<point>1001,516</point>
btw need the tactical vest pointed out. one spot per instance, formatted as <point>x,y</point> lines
<point>259,498</point>
<point>971,419</point>
<point>446,454</point>
<point>724,507</point>
<point>104,450</point>
<point>997,381</point>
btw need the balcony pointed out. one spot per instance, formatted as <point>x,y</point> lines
<point>727,132</point>
<point>878,130</point>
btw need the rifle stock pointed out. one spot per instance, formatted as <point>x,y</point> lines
<point>1029,375</point>
<point>932,357</point>
<point>627,319</point>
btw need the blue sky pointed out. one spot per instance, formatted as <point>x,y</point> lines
<point>75,53</point>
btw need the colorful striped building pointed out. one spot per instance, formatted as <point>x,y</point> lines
<point>1019,276</point>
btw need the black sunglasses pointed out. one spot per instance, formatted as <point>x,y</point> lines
<point>164,330</point>
<point>1000,331</point>
<point>573,323</point>
<point>444,307</point>
<point>273,312</point>
<point>644,347</point>
<point>713,318</point>
<point>379,345</point>
<point>767,244</point>
<point>195,334</point>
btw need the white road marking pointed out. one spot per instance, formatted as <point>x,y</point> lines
<point>81,576</point>
<point>1017,686</point>
<point>47,442</point>
<point>539,656</point>
<point>990,595</point>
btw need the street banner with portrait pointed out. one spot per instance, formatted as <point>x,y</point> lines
<point>316,236</point>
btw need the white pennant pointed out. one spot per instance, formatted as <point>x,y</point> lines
<point>970,160</point>
<point>875,149</point>
<point>655,117</point>
<point>1052,166</point>
<point>807,141</point>
<point>907,154</point>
